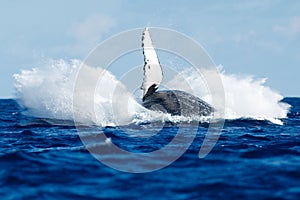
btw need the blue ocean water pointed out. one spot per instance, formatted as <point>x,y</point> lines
<point>45,159</point>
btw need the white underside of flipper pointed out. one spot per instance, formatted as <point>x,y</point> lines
<point>152,70</point>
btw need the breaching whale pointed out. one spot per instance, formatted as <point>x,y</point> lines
<point>175,102</point>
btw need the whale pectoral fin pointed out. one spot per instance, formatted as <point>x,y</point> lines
<point>153,74</point>
<point>150,91</point>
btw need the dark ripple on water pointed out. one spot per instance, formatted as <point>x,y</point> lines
<point>45,159</point>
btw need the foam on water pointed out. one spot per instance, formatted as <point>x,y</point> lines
<point>47,92</point>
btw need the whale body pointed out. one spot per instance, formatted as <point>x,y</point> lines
<point>177,102</point>
<point>174,102</point>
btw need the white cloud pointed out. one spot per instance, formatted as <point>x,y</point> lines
<point>291,29</point>
<point>88,33</point>
<point>93,27</point>
<point>244,37</point>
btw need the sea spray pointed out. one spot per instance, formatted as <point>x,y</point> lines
<point>245,96</point>
<point>47,92</point>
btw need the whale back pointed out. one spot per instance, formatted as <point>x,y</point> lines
<point>178,102</point>
<point>152,70</point>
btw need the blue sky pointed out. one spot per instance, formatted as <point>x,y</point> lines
<point>256,37</point>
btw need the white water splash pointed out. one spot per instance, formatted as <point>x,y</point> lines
<point>245,96</point>
<point>47,92</point>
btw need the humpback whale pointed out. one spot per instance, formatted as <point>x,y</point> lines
<point>174,102</point>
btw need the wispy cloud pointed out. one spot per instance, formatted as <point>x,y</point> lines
<point>291,29</point>
<point>244,37</point>
<point>92,28</point>
<point>89,32</point>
